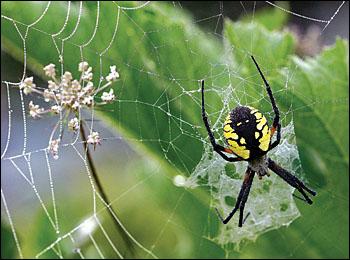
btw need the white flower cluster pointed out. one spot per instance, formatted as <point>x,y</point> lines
<point>53,148</point>
<point>68,92</point>
<point>94,138</point>
<point>73,124</point>
<point>35,110</point>
<point>69,95</point>
<point>114,75</point>
<point>108,97</point>
<point>50,70</point>
<point>27,85</point>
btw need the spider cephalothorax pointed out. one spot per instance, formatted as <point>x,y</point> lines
<point>249,137</point>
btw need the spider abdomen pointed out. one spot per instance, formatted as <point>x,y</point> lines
<point>247,133</point>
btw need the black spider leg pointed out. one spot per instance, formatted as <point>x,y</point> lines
<point>244,220</point>
<point>276,121</point>
<point>299,198</point>
<point>291,180</point>
<point>217,148</point>
<point>241,199</point>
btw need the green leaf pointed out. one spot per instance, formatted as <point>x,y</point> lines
<point>271,48</point>
<point>271,18</point>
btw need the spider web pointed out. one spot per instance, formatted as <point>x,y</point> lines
<point>33,179</point>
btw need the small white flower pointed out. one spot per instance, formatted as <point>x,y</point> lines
<point>50,70</point>
<point>48,95</point>
<point>83,66</point>
<point>80,95</point>
<point>73,124</point>
<point>87,74</point>
<point>89,87</point>
<point>113,75</point>
<point>88,100</point>
<point>76,105</point>
<point>76,85</point>
<point>58,96</point>
<point>56,109</point>
<point>108,97</point>
<point>70,99</point>
<point>52,85</point>
<point>94,139</point>
<point>29,81</point>
<point>35,110</point>
<point>67,77</point>
<point>27,85</point>
<point>53,148</point>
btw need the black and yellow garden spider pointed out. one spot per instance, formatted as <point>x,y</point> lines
<point>249,138</point>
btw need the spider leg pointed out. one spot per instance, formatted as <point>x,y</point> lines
<point>291,180</point>
<point>299,198</point>
<point>245,196</point>
<point>217,148</point>
<point>241,199</point>
<point>245,219</point>
<point>276,121</point>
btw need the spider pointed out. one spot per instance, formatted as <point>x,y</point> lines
<point>249,138</point>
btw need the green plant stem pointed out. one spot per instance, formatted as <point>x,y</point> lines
<point>97,181</point>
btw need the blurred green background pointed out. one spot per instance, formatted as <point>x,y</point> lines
<point>154,131</point>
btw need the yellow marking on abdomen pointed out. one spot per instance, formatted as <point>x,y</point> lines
<point>241,151</point>
<point>231,135</point>
<point>257,135</point>
<point>228,119</point>
<point>253,110</point>
<point>229,132</point>
<point>262,122</point>
<point>258,115</point>
<point>228,128</point>
<point>265,139</point>
<point>242,141</point>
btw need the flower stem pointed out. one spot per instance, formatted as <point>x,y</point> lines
<point>111,212</point>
